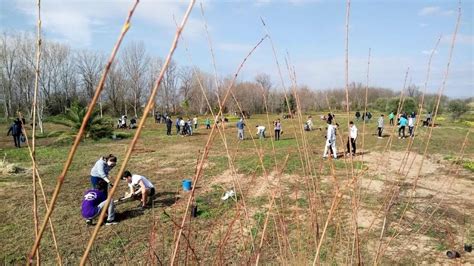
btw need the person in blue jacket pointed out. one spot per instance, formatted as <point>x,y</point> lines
<point>101,169</point>
<point>401,128</point>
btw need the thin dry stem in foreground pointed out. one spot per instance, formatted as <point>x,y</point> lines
<point>80,134</point>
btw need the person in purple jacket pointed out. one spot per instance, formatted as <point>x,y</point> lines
<point>93,202</point>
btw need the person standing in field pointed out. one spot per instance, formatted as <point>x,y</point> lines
<point>169,124</point>
<point>208,123</point>
<point>178,125</point>
<point>240,129</point>
<point>195,122</point>
<point>411,125</point>
<point>93,202</point>
<point>182,126</point>
<point>277,128</point>
<point>261,131</point>
<point>331,141</point>
<point>380,124</point>
<point>351,141</point>
<point>16,131</point>
<point>101,169</point>
<point>391,116</point>
<point>401,128</point>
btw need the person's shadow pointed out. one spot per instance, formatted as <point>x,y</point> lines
<point>161,199</point>
<point>164,199</point>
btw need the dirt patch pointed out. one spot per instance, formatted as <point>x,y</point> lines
<point>9,168</point>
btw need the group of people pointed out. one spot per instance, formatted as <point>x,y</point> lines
<point>94,199</point>
<point>122,122</point>
<point>261,129</point>
<point>366,116</point>
<point>330,146</point>
<point>183,127</point>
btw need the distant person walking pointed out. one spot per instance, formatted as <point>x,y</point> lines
<point>351,141</point>
<point>380,124</point>
<point>401,128</point>
<point>195,122</point>
<point>277,128</point>
<point>169,124</point>
<point>16,131</point>
<point>178,125</point>
<point>411,125</point>
<point>240,129</point>
<point>357,115</point>
<point>391,116</point>
<point>208,123</point>
<point>331,141</point>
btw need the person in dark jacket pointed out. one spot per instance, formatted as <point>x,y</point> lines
<point>16,132</point>
<point>169,124</point>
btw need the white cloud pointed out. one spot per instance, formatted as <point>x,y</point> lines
<point>460,39</point>
<point>77,21</point>
<point>435,11</point>
<point>423,25</point>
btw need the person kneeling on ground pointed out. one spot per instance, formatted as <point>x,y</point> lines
<point>93,202</point>
<point>140,188</point>
<point>133,123</point>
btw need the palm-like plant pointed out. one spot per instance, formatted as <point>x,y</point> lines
<point>96,127</point>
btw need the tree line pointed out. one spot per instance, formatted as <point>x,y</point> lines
<point>70,75</point>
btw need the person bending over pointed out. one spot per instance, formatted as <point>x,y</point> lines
<point>93,202</point>
<point>140,188</point>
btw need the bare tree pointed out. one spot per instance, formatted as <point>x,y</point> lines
<point>89,66</point>
<point>8,61</point>
<point>135,63</point>
<point>169,88</point>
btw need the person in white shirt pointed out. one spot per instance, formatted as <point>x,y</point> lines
<point>380,125</point>
<point>351,141</point>
<point>411,125</point>
<point>195,122</point>
<point>261,131</point>
<point>140,188</point>
<point>331,141</point>
<point>309,124</point>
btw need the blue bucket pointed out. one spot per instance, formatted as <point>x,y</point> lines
<point>187,185</point>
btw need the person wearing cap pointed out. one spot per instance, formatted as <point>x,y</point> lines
<point>101,169</point>
<point>140,188</point>
<point>93,202</point>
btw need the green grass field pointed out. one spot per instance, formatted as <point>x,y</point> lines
<point>424,225</point>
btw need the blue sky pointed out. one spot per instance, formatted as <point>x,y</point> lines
<point>400,33</point>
